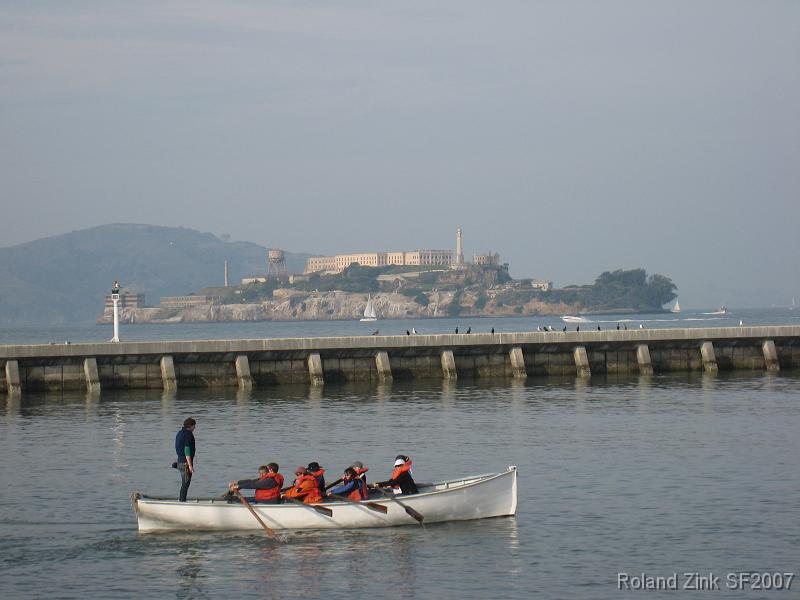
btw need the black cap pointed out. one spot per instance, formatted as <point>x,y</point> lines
<point>314,466</point>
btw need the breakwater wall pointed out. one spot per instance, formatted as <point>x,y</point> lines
<point>261,362</point>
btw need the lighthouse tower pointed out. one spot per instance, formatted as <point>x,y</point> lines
<point>459,248</point>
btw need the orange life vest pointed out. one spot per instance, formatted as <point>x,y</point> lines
<point>305,489</point>
<point>271,493</point>
<point>401,469</point>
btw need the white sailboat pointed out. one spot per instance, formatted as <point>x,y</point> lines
<point>369,310</point>
<point>794,304</point>
<point>676,308</point>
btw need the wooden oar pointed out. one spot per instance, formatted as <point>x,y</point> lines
<point>337,482</point>
<point>377,507</point>
<point>409,511</point>
<point>268,531</point>
<point>320,509</point>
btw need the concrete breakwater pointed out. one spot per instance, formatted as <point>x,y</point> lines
<point>259,362</point>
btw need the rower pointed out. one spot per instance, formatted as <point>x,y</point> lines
<point>401,482</point>
<point>304,487</point>
<point>352,486</point>
<point>319,473</point>
<point>267,485</point>
<point>361,471</point>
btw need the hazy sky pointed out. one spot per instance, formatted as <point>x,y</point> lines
<point>571,137</point>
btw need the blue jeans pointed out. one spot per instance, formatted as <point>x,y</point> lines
<point>186,479</point>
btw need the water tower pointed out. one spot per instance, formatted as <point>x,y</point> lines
<point>276,264</point>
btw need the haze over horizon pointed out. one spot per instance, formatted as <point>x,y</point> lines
<point>571,137</point>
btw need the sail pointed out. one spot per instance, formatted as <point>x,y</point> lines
<point>676,308</point>
<point>369,310</point>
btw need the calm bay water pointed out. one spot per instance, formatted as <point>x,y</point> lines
<point>277,329</point>
<point>664,474</point>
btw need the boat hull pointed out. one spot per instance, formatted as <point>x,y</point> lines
<point>477,497</point>
<point>571,319</point>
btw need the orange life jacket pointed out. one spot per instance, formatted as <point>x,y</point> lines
<point>401,469</point>
<point>305,489</point>
<point>271,493</point>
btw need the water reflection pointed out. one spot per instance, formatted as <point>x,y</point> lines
<point>190,573</point>
<point>316,392</point>
<point>449,389</point>
<point>13,404</point>
<point>383,391</point>
<point>244,394</point>
<point>92,402</point>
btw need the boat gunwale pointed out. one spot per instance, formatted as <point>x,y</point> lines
<point>478,479</point>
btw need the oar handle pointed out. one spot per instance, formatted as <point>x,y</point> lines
<point>337,482</point>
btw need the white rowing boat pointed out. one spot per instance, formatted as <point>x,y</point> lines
<point>478,497</point>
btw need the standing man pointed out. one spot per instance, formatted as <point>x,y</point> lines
<point>185,449</point>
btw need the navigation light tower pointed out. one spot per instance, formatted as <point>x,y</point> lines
<point>115,300</point>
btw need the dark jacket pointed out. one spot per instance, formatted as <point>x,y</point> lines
<point>319,475</point>
<point>258,484</point>
<point>404,481</point>
<point>184,439</point>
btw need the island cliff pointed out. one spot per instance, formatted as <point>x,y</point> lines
<point>470,292</point>
<point>335,305</point>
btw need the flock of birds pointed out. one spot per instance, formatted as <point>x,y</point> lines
<point>543,328</point>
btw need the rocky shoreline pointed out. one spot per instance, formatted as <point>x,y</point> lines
<point>325,306</point>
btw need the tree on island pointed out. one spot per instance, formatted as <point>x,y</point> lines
<point>631,289</point>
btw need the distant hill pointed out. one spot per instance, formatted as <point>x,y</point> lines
<point>64,279</point>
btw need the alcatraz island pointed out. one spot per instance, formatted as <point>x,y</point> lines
<point>402,284</point>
